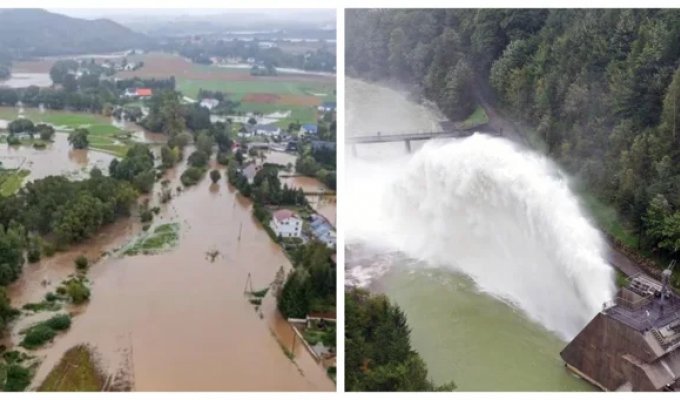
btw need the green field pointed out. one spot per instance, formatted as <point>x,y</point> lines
<point>237,89</point>
<point>76,372</point>
<point>103,136</point>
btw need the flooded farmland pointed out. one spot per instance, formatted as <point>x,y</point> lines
<point>175,320</point>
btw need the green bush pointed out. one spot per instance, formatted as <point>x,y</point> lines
<point>81,262</point>
<point>37,336</point>
<point>58,322</point>
<point>18,378</point>
<point>146,216</point>
<point>191,176</point>
<point>48,249</point>
<point>33,254</point>
<point>77,291</point>
<point>223,158</point>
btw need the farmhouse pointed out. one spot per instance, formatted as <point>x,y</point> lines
<point>286,224</point>
<point>138,92</point>
<point>266,130</point>
<point>327,106</point>
<point>309,129</point>
<point>209,103</point>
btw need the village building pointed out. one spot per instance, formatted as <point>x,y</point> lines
<point>309,129</point>
<point>138,92</point>
<point>209,103</point>
<point>286,224</point>
<point>633,344</point>
<point>327,106</point>
<point>268,130</point>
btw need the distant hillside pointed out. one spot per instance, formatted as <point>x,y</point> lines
<point>35,32</point>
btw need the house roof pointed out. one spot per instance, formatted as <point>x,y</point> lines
<point>310,127</point>
<point>144,92</point>
<point>283,214</point>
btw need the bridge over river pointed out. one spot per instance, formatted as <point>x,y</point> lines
<point>407,138</point>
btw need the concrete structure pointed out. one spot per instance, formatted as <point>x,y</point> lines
<point>634,343</point>
<point>286,224</point>
<point>407,138</point>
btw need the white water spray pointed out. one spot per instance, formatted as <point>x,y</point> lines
<point>500,214</point>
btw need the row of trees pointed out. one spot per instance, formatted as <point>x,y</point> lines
<point>318,161</point>
<point>26,126</point>
<point>322,59</point>
<point>600,89</point>
<point>311,285</point>
<point>378,353</point>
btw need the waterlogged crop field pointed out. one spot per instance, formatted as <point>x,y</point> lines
<point>162,238</point>
<point>103,135</point>
<point>299,93</point>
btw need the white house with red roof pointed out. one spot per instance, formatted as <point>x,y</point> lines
<point>285,223</point>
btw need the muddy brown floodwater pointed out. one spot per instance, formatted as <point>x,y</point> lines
<point>176,321</point>
<point>323,204</point>
<point>57,159</point>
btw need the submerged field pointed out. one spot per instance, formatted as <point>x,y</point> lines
<point>103,136</point>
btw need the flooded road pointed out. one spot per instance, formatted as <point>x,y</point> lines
<point>176,321</point>
<point>463,333</point>
<point>323,204</point>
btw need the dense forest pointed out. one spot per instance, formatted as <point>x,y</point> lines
<point>597,89</point>
<point>378,349</point>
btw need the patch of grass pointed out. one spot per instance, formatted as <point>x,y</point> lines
<point>477,118</point>
<point>621,279</point>
<point>237,89</point>
<point>163,237</point>
<point>11,181</point>
<point>76,372</point>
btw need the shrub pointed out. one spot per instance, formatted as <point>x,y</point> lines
<point>77,291</point>
<point>18,378</point>
<point>146,216</point>
<point>48,249</point>
<point>37,336</point>
<point>198,159</point>
<point>81,262</point>
<point>58,322</point>
<point>215,175</point>
<point>191,176</point>
<point>33,254</point>
<point>51,297</point>
<point>223,158</point>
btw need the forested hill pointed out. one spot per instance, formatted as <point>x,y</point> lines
<point>601,88</point>
<point>35,32</point>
